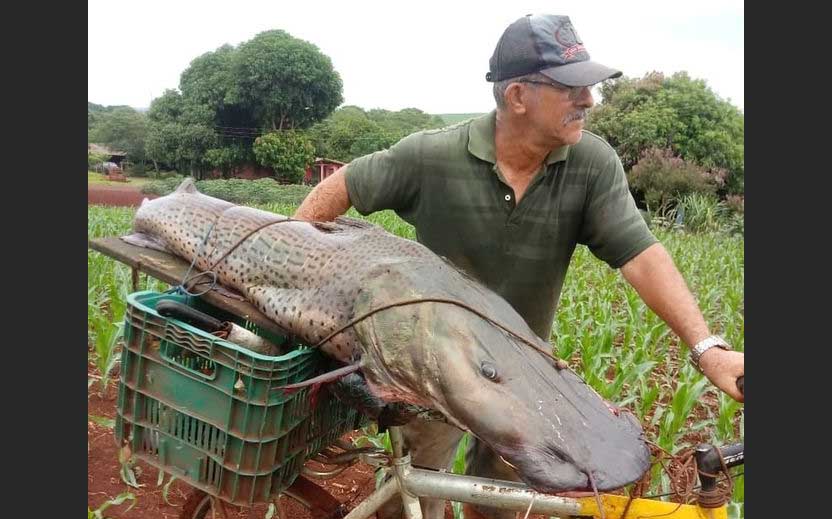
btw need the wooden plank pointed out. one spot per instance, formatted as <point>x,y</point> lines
<point>172,269</point>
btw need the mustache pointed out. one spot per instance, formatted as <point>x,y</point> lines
<point>578,115</point>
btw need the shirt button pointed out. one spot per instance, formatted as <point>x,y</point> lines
<point>508,198</point>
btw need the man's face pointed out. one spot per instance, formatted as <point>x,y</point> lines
<point>558,112</point>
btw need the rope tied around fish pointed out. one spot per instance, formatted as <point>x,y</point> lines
<point>182,287</point>
<point>680,479</point>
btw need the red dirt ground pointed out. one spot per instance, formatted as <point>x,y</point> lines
<point>102,194</point>
<point>104,483</point>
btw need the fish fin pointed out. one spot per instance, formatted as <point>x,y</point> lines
<point>343,223</point>
<point>349,221</point>
<point>325,226</point>
<point>146,241</point>
<point>187,186</point>
<point>311,314</point>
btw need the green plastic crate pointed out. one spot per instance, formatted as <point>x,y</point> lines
<point>205,409</point>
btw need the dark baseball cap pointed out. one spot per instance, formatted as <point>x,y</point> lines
<point>547,44</point>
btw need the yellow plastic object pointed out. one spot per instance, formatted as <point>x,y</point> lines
<point>646,508</point>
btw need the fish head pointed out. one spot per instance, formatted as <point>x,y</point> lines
<point>505,388</point>
<point>536,413</point>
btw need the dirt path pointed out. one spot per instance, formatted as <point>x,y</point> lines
<point>104,482</point>
<point>123,196</point>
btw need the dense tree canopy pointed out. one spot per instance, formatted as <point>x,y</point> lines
<point>288,152</point>
<point>285,82</point>
<point>230,96</point>
<point>351,132</point>
<point>676,113</point>
<point>121,128</point>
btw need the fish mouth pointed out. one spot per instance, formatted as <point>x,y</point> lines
<point>548,469</point>
<point>544,469</point>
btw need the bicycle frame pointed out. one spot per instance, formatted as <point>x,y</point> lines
<point>412,483</point>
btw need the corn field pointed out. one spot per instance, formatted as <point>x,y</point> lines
<point>602,328</point>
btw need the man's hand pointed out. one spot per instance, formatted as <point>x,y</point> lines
<point>723,368</point>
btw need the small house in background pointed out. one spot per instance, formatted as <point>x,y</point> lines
<point>112,165</point>
<point>116,157</point>
<point>320,169</point>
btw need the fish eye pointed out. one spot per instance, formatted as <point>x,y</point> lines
<point>489,371</point>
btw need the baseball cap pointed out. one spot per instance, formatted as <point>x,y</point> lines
<point>547,44</point>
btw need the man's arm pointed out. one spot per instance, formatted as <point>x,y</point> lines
<point>654,276</point>
<point>328,200</point>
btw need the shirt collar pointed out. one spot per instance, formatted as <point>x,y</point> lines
<point>481,141</point>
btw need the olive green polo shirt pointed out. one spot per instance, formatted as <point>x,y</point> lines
<point>447,185</point>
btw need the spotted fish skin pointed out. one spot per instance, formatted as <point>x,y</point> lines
<point>315,278</point>
<point>304,276</point>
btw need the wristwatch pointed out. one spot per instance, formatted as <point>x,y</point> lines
<point>704,345</point>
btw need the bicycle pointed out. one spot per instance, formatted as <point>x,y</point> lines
<point>411,483</point>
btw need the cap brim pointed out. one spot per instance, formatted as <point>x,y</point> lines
<point>582,73</point>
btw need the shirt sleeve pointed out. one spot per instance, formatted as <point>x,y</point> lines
<point>613,227</point>
<point>387,179</point>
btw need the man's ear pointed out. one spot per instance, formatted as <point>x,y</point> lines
<point>516,98</point>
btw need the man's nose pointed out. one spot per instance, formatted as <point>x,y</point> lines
<point>585,100</point>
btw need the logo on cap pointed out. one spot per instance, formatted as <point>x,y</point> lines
<point>566,36</point>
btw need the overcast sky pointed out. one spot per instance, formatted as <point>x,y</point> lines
<point>427,54</point>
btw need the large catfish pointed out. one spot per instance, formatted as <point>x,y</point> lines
<point>466,354</point>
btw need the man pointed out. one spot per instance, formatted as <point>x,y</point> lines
<point>506,197</point>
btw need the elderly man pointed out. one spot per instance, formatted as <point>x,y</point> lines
<point>507,197</point>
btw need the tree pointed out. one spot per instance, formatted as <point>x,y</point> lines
<point>288,152</point>
<point>351,132</point>
<point>404,122</point>
<point>676,113</point>
<point>122,128</point>
<point>663,179</point>
<point>180,133</point>
<point>229,96</point>
<point>284,81</point>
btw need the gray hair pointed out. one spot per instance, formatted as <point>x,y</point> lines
<point>501,86</point>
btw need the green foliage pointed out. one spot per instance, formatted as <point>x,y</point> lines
<point>288,152</point>
<point>121,498</point>
<point>95,159</point>
<point>226,157</point>
<point>106,335</point>
<point>285,82</point>
<point>351,132</point>
<point>227,98</point>
<point>239,191</point>
<point>208,80</point>
<point>180,133</point>
<point>123,129</point>
<point>678,113</point>
<point>663,178</point>
<point>702,212</point>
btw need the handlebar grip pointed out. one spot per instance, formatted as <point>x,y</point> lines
<point>189,315</point>
<point>740,384</point>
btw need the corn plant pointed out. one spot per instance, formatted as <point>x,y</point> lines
<point>106,335</point>
<point>121,498</point>
<point>458,467</point>
<point>702,212</point>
